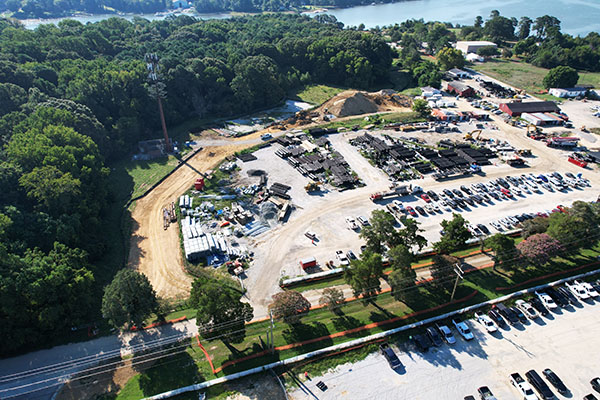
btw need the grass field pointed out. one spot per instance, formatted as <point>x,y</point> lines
<point>316,94</point>
<point>527,76</point>
<point>319,323</point>
<point>138,176</point>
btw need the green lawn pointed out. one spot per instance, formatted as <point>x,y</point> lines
<point>316,94</point>
<point>526,76</point>
<point>488,284</point>
<point>135,177</point>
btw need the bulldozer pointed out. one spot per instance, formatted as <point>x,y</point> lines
<point>524,152</point>
<point>474,135</point>
<point>312,187</point>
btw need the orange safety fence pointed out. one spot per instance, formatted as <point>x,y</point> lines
<point>344,333</point>
<point>206,354</point>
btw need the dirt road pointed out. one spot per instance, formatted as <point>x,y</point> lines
<point>156,252</point>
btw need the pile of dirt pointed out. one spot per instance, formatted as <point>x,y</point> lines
<point>352,102</point>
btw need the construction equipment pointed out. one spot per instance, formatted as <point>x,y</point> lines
<point>524,152</point>
<point>474,135</point>
<point>403,190</point>
<point>575,159</point>
<point>562,142</point>
<point>584,129</point>
<point>312,187</point>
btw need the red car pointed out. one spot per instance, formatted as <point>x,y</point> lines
<point>562,208</point>
<point>426,198</point>
<point>506,192</point>
<point>411,211</point>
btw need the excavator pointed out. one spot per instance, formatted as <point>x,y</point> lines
<point>312,187</point>
<point>535,132</point>
<point>474,135</point>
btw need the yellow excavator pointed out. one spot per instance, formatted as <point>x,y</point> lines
<point>474,135</point>
<point>312,187</point>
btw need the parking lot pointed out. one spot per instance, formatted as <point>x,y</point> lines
<point>565,341</point>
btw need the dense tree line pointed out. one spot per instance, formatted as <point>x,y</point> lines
<point>57,8</point>
<point>74,97</point>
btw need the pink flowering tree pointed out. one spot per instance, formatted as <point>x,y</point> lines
<point>539,248</point>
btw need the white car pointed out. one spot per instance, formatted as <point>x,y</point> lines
<point>398,204</point>
<point>445,205</point>
<point>525,189</point>
<point>546,300</point>
<point>463,329</point>
<point>435,207</point>
<point>588,288</point>
<point>342,257</point>
<point>487,322</point>
<point>527,309</point>
<point>351,223</point>
<point>447,334</point>
<point>577,290</point>
<point>523,387</point>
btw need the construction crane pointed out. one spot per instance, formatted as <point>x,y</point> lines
<point>474,135</point>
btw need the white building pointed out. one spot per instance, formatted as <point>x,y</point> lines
<point>473,57</point>
<point>568,93</point>
<point>472,46</point>
<point>429,91</point>
<point>459,73</point>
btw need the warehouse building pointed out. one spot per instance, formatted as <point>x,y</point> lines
<point>472,46</point>
<point>568,92</point>
<point>460,89</point>
<point>515,109</point>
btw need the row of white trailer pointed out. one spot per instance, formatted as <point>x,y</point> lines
<point>185,201</point>
<point>198,244</point>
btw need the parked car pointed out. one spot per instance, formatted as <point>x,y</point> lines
<point>350,254</point>
<point>411,211</point>
<point>434,336</point>
<point>483,229</point>
<point>469,397</point>
<point>420,210</point>
<point>527,309</point>
<point>577,290</point>
<point>557,297</point>
<point>496,317</point>
<point>422,342</point>
<point>485,393</point>
<point>539,385</point>
<point>446,334</point>
<point>519,314</point>
<point>555,381</point>
<point>342,257</point>
<point>507,313</point>
<point>524,388</point>
<point>571,299</point>
<point>546,300</point>
<point>463,329</point>
<point>487,322</point>
<point>425,198</point>
<point>589,288</point>
<point>539,306</point>
<point>590,397</point>
<point>351,223</point>
<point>364,221</point>
<point>433,195</point>
<point>390,356</point>
<point>595,384</point>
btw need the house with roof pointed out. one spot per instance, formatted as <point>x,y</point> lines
<point>460,89</point>
<point>568,93</point>
<point>516,108</point>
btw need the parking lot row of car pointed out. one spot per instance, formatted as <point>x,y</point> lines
<point>502,316</point>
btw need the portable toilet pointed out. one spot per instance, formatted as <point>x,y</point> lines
<point>199,184</point>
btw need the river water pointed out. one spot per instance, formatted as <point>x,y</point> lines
<point>579,17</point>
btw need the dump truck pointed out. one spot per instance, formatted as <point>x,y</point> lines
<point>403,190</point>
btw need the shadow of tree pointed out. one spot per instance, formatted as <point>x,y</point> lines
<point>170,373</point>
<point>347,322</point>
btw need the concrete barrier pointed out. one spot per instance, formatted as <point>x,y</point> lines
<point>355,342</point>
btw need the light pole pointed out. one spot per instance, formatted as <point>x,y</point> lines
<point>158,89</point>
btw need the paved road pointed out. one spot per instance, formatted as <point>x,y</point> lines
<point>566,343</point>
<point>38,375</point>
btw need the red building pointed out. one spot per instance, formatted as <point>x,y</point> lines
<point>460,89</point>
<point>515,109</point>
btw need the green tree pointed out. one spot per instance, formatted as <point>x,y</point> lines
<point>499,29</point>
<point>442,271</point>
<point>449,58</point>
<point>546,26</point>
<point>289,306</point>
<point>569,231</point>
<point>381,232</point>
<point>488,51</point>
<point>364,275</point>
<point>533,226</point>
<point>220,311</point>
<point>129,299</point>
<point>421,107</point>
<point>561,77</point>
<point>524,27</point>
<point>333,299</point>
<point>478,22</point>
<point>410,234</point>
<point>504,249</point>
<point>455,235</point>
<point>402,278</point>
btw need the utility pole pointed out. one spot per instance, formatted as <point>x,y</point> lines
<point>272,344</point>
<point>157,89</point>
<point>459,275</point>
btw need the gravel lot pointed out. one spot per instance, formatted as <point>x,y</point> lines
<point>566,342</point>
